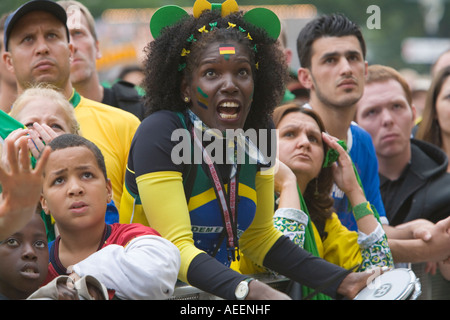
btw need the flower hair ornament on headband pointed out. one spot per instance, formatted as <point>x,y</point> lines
<point>259,17</point>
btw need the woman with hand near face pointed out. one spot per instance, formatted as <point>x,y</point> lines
<point>46,114</point>
<point>303,146</point>
<point>210,75</point>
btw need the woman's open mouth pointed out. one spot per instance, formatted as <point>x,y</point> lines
<point>228,110</point>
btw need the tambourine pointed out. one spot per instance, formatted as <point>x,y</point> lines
<point>396,284</point>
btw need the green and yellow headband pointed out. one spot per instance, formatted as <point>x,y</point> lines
<point>259,17</point>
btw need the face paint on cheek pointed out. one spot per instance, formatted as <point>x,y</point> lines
<point>226,50</point>
<point>202,98</point>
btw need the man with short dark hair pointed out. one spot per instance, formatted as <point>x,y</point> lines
<point>332,53</point>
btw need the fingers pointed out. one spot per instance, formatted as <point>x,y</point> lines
<point>11,156</point>
<point>431,268</point>
<point>16,134</point>
<point>42,161</point>
<point>423,234</point>
<point>35,144</point>
<point>18,160</point>
<point>13,144</point>
<point>24,158</point>
<point>45,132</point>
<point>17,155</point>
<point>40,137</point>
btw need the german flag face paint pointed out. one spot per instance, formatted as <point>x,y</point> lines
<point>226,50</point>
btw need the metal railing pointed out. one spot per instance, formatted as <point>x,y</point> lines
<point>187,292</point>
<point>433,287</point>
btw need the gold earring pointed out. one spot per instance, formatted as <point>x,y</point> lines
<point>186,99</point>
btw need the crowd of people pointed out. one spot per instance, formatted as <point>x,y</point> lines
<point>107,193</point>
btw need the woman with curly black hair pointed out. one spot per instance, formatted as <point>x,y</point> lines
<point>192,175</point>
<point>163,78</point>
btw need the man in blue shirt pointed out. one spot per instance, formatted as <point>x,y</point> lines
<point>332,56</point>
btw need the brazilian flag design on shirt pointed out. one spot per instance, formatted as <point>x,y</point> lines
<point>205,212</point>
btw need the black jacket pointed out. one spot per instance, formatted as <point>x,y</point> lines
<point>123,95</point>
<point>422,191</point>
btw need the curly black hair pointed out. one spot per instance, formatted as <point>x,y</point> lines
<point>162,82</point>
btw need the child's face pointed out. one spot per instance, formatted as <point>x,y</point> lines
<point>75,191</point>
<point>24,260</point>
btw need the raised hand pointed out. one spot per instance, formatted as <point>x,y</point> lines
<point>21,185</point>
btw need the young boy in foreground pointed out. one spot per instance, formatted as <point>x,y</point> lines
<point>131,260</point>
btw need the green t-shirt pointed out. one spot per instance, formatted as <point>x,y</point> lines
<point>7,125</point>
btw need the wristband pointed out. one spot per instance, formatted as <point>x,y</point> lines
<point>361,210</point>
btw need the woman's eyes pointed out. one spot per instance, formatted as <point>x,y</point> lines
<point>210,73</point>
<point>56,127</point>
<point>288,134</point>
<point>242,72</point>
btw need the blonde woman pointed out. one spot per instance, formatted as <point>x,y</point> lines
<point>46,114</point>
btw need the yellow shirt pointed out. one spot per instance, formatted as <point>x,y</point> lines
<point>340,246</point>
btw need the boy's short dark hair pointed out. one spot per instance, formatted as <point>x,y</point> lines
<point>335,25</point>
<point>69,140</point>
